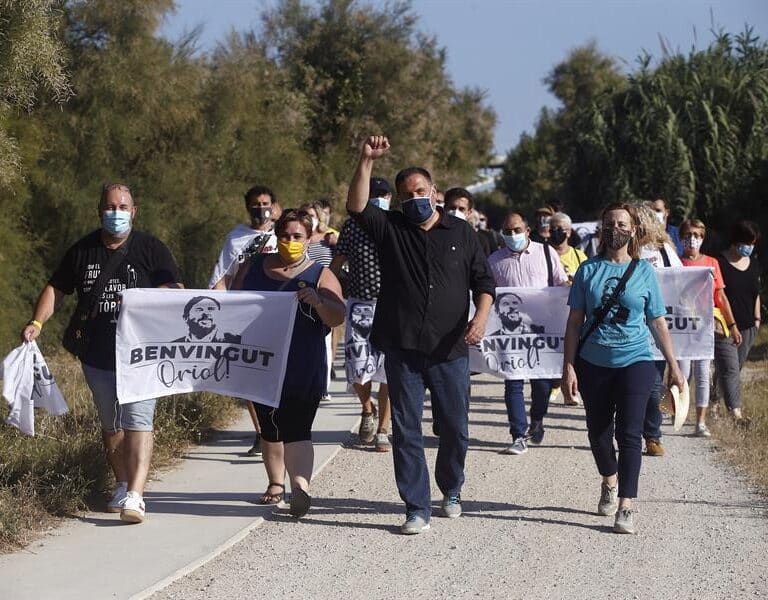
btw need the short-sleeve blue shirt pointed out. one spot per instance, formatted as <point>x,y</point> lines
<point>623,337</point>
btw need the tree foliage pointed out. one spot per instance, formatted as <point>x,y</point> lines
<point>692,129</point>
<point>285,105</point>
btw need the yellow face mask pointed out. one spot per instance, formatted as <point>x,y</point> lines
<point>290,251</point>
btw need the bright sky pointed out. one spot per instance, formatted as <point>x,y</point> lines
<point>506,47</point>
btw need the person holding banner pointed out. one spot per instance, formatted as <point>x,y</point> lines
<point>430,261</point>
<point>658,250</point>
<point>692,234</point>
<point>525,264</point>
<point>365,363</point>
<point>287,430</point>
<point>98,267</point>
<point>615,299</point>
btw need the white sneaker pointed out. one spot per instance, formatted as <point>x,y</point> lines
<point>133,508</point>
<point>115,504</point>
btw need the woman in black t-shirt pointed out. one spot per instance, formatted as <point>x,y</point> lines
<point>742,287</point>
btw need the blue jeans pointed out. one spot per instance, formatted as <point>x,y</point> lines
<point>513,398</point>
<point>615,403</point>
<point>410,374</point>
<point>652,422</point>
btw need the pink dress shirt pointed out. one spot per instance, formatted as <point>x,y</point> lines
<point>527,268</point>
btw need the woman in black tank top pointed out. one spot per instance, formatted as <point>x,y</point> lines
<point>286,431</point>
<point>742,288</point>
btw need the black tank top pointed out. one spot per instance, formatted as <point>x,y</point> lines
<point>741,289</point>
<point>306,356</point>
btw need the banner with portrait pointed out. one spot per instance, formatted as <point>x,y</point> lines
<point>362,361</point>
<point>526,328</point>
<point>179,341</point>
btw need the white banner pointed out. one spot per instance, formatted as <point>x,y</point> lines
<point>363,363</point>
<point>526,328</point>
<point>179,341</point>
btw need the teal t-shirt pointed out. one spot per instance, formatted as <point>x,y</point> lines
<point>623,337</point>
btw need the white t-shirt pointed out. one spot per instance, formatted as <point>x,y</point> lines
<point>653,256</point>
<point>236,242</point>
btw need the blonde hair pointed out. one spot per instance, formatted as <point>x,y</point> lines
<point>633,248</point>
<point>651,231</point>
<point>693,224</point>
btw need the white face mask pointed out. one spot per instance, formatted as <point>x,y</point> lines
<point>660,217</point>
<point>315,223</point>
<point>458,214</point>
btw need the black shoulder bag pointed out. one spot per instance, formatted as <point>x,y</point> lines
<point>76,335</point>
<point>602,311</point>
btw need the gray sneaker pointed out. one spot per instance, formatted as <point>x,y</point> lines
<point>702,431</point>
<point>413,525</point>
<point>451,506</point>
<point>624,522</point>
<point>367,430</point>
<point>609,500</point>
<point>518,446</point>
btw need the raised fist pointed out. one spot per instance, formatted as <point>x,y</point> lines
<point>375,147</point>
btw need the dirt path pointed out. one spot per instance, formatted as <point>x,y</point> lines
<point>529,529</point>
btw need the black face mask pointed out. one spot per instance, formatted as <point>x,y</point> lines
<point>557,236</point>
<point>260,214</point>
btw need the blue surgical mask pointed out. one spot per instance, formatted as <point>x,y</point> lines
<point>515,242</point>
<point>418,210</point>
<point>745,249</point>
<point>382,203</point>
<point>116,222</point>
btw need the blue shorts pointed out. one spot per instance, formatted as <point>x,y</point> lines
<point>136,416</point>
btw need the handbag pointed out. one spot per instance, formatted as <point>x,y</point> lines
<point>76,336</point>
<point>599,314</point>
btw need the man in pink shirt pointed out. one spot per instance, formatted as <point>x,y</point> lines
<point>525,263</point>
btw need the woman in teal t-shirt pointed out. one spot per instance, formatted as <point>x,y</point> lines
<point>614,369</point>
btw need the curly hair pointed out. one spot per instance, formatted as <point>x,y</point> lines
<point>651,231</point>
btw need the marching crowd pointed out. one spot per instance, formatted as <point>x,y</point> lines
<point>402,281</point>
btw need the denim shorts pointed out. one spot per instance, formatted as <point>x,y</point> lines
<point>136,416</point>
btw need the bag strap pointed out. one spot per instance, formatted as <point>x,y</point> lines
<point>91,301</point>
<point>602,311</point>
<point>665,257</point>
<point>550,275</point>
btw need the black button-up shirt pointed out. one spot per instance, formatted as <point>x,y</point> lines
<point>426,277</point>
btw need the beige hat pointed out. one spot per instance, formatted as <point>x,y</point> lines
<point>681,400</point>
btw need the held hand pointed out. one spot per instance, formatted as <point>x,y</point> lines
<point>375,147</point>
<point>569,384</point>
<point>29,333</point>
<point>676,377</point>
<point>475,331</point>
<point>309,296</point>
<point>736,334</point>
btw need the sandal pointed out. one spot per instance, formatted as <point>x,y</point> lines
<point>269,498</point>
<point>300,503</point>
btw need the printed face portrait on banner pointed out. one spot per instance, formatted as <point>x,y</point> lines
<point>201,315</point>
<point>508,308</point>
<point>361,319</point>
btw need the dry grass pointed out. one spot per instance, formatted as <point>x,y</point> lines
<point>62,469</point>
<point>747,448</point>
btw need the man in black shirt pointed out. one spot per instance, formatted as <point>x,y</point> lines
<point>430,261</point>
<point>141,261</point>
